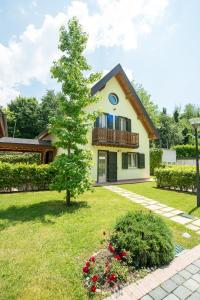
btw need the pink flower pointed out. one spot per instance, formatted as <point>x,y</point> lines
<point>94,278</point>
<point>112,277</point>
<point>93,288</point>
<point>85,269</point>
<point>87,264</point>
<point>117,257</point>
<point>92,258</point>
<point>111,249</point>
<point>123,254</point>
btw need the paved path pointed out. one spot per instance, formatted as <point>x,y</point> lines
<point>178,281</point>
<point>162,209</point>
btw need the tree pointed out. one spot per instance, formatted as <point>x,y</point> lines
<point>71,123</point>
<point>22,117</point>
<point>150,107</point>
<point>47,109</point>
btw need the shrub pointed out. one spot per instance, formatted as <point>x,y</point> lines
<point>181,178</point>
<point>28,158</point>
<point>155,159</point>
<point>146,238</point>
<point>185,151</point>
<point>25,177</point>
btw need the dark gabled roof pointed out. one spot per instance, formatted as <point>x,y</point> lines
<point>17,141</point>
<point>131,94</point>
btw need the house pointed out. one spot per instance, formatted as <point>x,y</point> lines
<point>119,139</point>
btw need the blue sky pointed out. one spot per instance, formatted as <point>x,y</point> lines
<point>156,41</point>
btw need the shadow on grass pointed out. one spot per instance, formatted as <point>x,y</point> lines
<point>39,212</point>
<point>173,190</point>
<point>193,210</point>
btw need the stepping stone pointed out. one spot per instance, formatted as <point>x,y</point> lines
<point>182,292</point>
<point>181,220</point>
<point>176,212</point>
<point>191,284</point>
<point>196,223</point>
<point>167,209</point>
<point>169,285</point>
<point>192,227</point>
<point>168,215</point>
<point>154,207</point>
<point>158,293</point>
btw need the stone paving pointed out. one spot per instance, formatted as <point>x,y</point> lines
<point>162,209</point>
<point>178,281</point>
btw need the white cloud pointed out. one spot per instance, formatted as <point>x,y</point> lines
<point>116,23</point>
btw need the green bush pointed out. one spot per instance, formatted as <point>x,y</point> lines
<point>146,237</point>
<point>181,178</point>
<point>185,151</point>
<point>155,159</point>
<point>28,158</point>
<point>25,177</point>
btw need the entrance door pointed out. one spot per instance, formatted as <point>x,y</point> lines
<point>102,166</point>
<point>112,166</point>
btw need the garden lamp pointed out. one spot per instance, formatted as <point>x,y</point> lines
<point>195,124</point>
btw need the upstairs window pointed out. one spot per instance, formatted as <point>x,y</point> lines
<point>113,98</point>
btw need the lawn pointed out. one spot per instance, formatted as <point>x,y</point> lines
<point>179,200</point>
<point>43,245</point>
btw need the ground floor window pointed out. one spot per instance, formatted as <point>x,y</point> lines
<point>132,160</point>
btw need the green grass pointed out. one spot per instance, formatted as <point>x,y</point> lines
<point>178,200</point>
<point>43,245</point>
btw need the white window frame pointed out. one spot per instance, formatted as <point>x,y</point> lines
<point>132,160</point>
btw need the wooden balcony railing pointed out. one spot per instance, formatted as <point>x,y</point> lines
<point>115,138</point>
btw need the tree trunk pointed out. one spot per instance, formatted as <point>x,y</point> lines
<point>68,198</point>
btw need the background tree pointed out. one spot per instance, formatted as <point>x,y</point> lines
<point>47,109</point>
<point>71,122</point>
<point>150,107</point>
<point>22,117</point>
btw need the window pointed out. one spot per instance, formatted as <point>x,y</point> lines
<point>132,160</point>
<point>103,121</point>
<point>113,98</point>
<point>122,124</point>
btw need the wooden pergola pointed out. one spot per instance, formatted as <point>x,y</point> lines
<point>44,147</point>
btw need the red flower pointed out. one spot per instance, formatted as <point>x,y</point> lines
<point>112,277</point>
<point>123,254</point>
<point>92,258</point>
<point>87,264</point>
<point>85,269</point>
<point>117,257</point>
<point>111,249</point>
<point>93,288</point>
<point>94,278</point>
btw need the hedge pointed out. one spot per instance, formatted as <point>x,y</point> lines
<point>28,158</point>
<point>24,177</point>
<point>185,151</point>
<point>181,178</point>
<point>155,159</point>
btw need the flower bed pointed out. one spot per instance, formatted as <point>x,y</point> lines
<point>108,271</point>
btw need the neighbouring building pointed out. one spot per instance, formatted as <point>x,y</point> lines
<point>119,139</point>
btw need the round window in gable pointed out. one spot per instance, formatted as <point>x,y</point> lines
<point>113,98</point>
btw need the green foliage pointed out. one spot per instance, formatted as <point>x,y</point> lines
<point>146,237</point>
<point>149,105</point>
<point>155,159</point>
<point>28,158</point>
<point>71,121</point>
<point>181,178</point>
<point>185,151</point>
<point>25,177</point>
<point>22,117</point>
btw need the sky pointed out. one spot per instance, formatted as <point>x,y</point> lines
<point>157,42</point>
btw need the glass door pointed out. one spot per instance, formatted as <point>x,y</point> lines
<point>102,166</point>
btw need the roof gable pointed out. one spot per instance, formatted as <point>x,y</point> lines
<point>131,95</point>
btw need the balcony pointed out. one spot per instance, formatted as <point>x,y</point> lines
<point>114,138</point>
